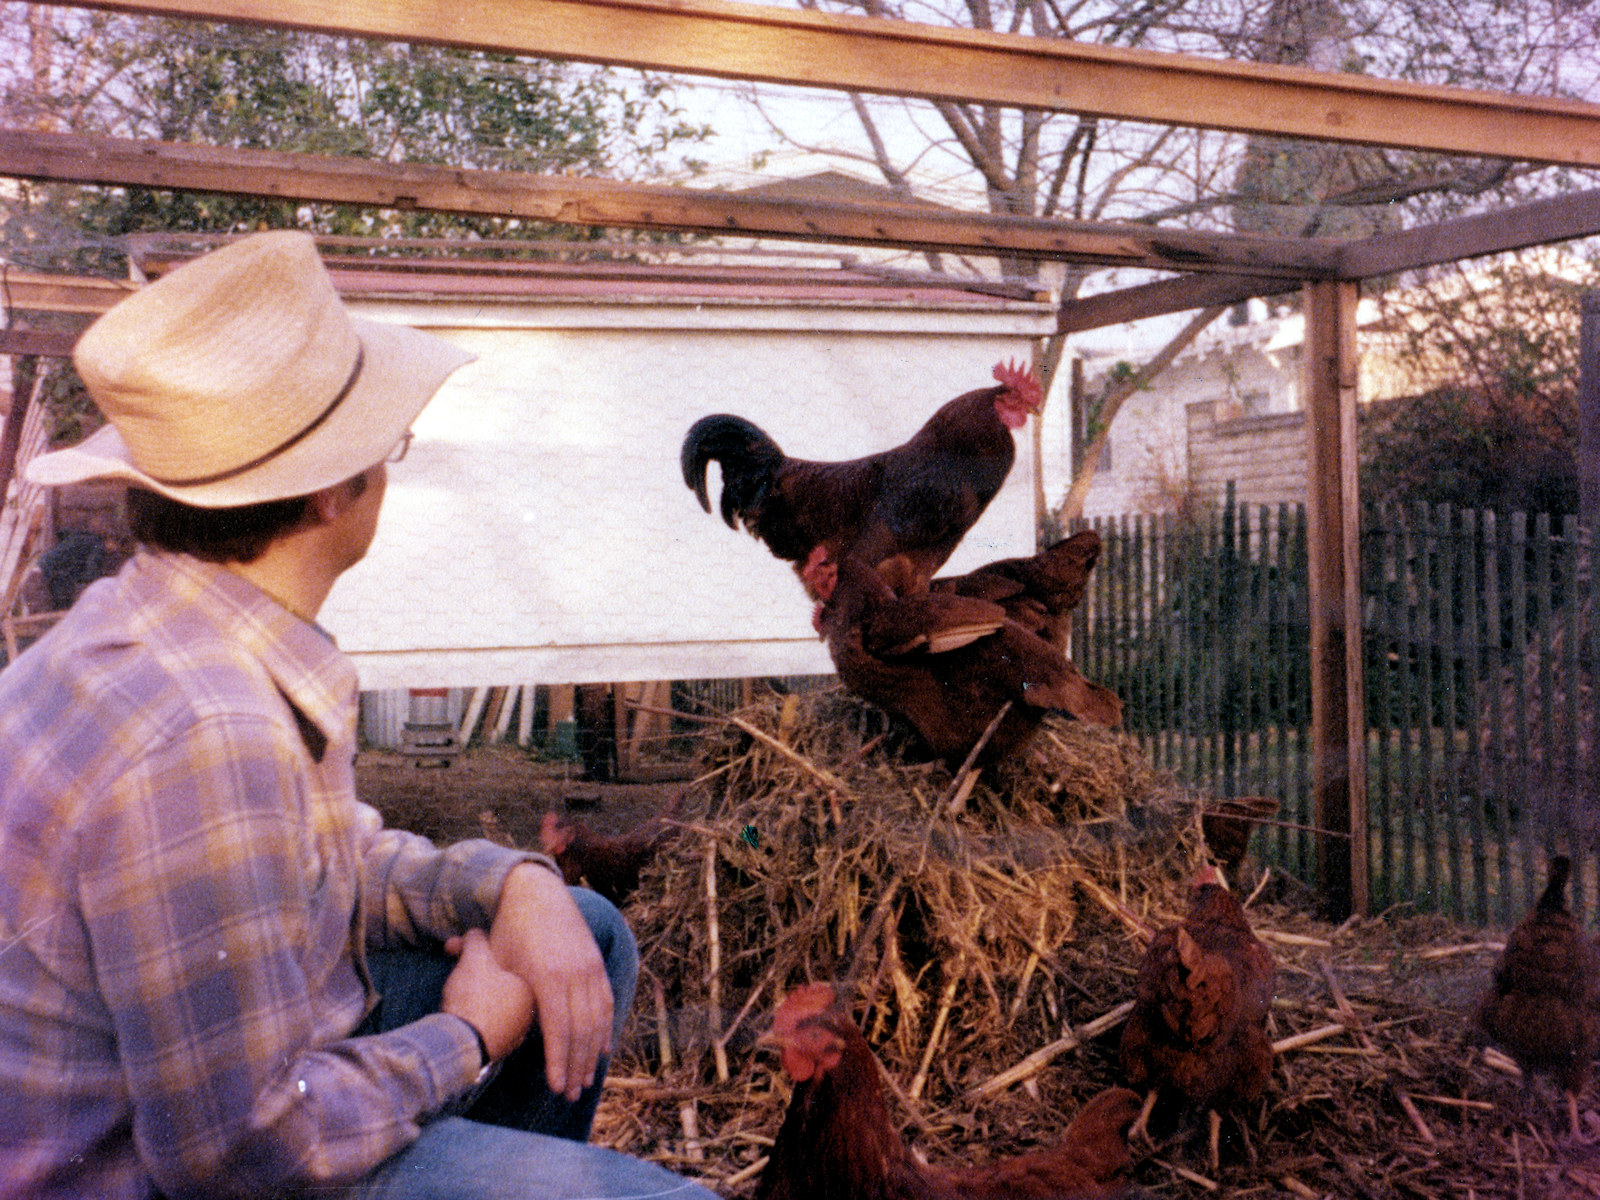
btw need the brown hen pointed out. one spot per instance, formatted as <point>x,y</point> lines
<point>1543,1006</point>
<point>917,499</point>
<point>948,663</point>
<point>1227,824</point>
<point>837,1141</point>
<point>1038,592</point>
<point>609,863</point>
<point>1198,1031</point>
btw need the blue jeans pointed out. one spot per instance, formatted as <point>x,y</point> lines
<point>514,1140</point>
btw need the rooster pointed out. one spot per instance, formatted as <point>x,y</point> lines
<point>837,1143</point>
<point>949,663</point>
<point>1038,592</point>
<point>918,499</point>
<point>1543,1006</point>
<point>1198,1029</point>
<point>609,863</point>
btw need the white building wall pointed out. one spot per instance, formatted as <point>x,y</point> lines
<point>540,529</point>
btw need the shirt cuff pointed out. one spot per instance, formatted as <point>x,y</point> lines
<point>545,861</point>
<point>487,869</point>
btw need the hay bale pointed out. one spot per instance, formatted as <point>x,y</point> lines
<point>971,938</point>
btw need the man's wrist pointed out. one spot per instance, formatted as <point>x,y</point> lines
<point>484,1060</point>
<point>544,860</point>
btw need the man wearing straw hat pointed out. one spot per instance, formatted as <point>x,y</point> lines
<point>219,975</point>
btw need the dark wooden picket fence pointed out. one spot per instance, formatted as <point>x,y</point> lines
<point>1479,653</point>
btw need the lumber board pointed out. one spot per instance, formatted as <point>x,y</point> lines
<point>48,343</point>
<point>73,158</point>
<point>872,54</point>
<point>1165,296</point>
<point>1537,223</point>
<point>1338,716</point>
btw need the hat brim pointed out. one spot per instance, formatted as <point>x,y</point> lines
<point>401,370</point>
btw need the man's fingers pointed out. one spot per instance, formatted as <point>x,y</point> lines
<point>576,1026</point>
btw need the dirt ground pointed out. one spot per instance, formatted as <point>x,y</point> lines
<point>446,803</point>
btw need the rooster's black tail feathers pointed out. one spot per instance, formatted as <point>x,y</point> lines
<point>747,456</point>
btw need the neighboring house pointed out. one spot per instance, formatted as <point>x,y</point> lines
<point>1230,408</point>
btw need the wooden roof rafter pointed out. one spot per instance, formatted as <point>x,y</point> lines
<point>74,158</point>
<point>751,41</point>
<point>1219,269</point>
<point>871,54</point>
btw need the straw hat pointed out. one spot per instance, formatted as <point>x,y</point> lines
<point>240,377</point>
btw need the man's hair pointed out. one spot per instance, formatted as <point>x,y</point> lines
<point>220,535</point>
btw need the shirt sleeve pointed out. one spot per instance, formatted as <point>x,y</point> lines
<point>215,919</point>
<point>414,891</point>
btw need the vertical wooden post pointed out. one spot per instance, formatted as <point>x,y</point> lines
<point>1589,413</point>
<point>1075,402</point>
<point>24,379</point>
<point>1589,516</point>
<point>1047,363</point>
<point>1338,713</point>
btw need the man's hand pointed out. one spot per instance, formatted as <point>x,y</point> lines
<point>479,990</point>
<point>539,935</point>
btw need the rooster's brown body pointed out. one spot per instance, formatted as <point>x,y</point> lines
<point>837,1141</point>
<point>917,499</point>
<point>1543,1006</point>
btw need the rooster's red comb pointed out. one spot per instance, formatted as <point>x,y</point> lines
<point>1022,381</point>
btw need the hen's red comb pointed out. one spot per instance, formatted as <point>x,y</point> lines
<point>808,1000</point>
<point>1021,380</point>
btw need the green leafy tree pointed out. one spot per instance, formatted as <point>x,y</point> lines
<point>241,87</point>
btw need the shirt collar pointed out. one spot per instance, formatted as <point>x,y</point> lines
<point>300,656</point>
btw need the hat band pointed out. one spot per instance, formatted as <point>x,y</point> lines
<point>281,448</point>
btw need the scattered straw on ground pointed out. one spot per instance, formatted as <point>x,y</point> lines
<point>991,937</point>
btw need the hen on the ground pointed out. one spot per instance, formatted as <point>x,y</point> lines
<point>1543,1004</point>
<point>1198,1031</point>
<point>837,1141</point>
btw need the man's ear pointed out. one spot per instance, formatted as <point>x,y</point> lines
<point>329,504</point>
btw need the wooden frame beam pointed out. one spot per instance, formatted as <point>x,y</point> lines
<point>72,158</point>
<point>752,41</point>
<point>40,292</point>
<point>1538,223</point>
<point>1165,296</point>
<point>49,343</point>
<point>1222,269</point>
<point>1333,541</point>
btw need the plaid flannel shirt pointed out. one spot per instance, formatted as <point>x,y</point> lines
<point>187,883</point>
